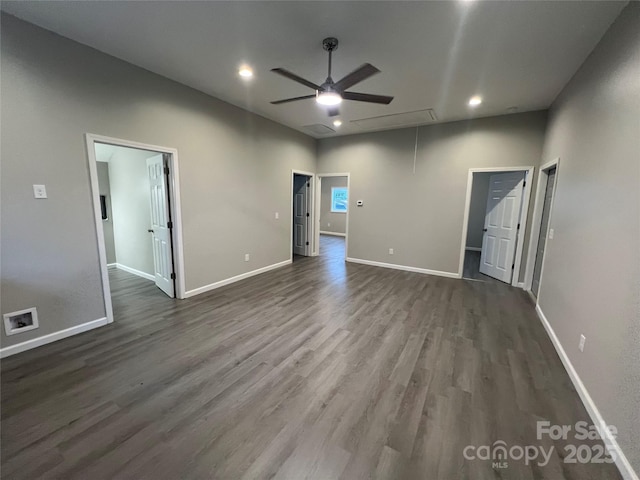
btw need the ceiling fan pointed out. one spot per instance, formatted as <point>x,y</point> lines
<point>332,93</point>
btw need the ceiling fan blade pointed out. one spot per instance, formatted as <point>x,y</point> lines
<point>287,100</point>
<point>333,112</point>
<point>367,97</point>
<point>295,78</point>
<point>357,76</point>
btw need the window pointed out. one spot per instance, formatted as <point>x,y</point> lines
<point>339,199</point>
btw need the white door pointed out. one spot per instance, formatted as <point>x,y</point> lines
<point>160,228</point>
<point>301,215</point>
<point>501,225</point>
<point>544,228</point>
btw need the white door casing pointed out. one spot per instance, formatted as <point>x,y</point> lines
<point>160,231</point>
<point>301,215</point>
<point>501,225</point>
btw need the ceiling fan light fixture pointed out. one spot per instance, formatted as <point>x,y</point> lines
<point>475,101</point>
<point>245,71</point>
<point>328,98</point>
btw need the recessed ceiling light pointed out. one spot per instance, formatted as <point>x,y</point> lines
<point>245,72</point>
<point>475,101</point>
<point>337,123</point>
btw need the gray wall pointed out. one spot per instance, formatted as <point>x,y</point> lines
<point>478,209</point>
<point>591,274</point>
<point>420,215</point>
<point>235,173</point>
<point>131,208</point>
<point>107,225</point>
<point>331,222</point>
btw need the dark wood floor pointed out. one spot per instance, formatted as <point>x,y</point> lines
<point>317,370</point>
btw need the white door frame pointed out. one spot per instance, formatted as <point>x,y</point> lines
<point>314,247</point>
<point>536,221</point>
<point>318,201</point>
<point>176,209</point>
<point>523,218</point>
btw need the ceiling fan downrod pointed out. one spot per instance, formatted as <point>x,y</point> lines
<point>330,44</point>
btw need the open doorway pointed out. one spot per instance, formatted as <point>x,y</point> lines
<point>136,204</point>
<point>333,205</point>
<point>540,225</point>
<point>302,244</point>
<point>495,220</point>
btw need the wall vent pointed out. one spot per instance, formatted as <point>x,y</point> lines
<point>21,321</point>
<point>395,120</point>
<point>319,129</point>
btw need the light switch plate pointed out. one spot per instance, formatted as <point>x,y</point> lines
<point>39,191</point>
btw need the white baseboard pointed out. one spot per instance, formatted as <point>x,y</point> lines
<point>52,337</point>
<point>139,273</point>
<point>403,267</point>
<point>335,234</point>
<point>237,278</point>
<point>473,249</point>
<point>520,285</point>
<point>612,444</point>
<point>112,264</point>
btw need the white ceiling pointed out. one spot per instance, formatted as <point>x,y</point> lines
<point>431,54</point>
<point>104,152</point>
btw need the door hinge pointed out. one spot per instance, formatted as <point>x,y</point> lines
<point>307,243</point>
<point>173,276</point>
<point>307,214</point>
<point>166,170</point>
<point>308,184</point>
<point>518,226</point>
<point>513,266</point>
<point>170,225</point>
<point>524,184</point>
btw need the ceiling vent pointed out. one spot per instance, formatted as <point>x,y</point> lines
<point>419,117</point>
<point>319,129</point>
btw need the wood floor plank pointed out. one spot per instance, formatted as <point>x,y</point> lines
<point>319,369</point>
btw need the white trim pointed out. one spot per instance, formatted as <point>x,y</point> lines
<point>611,443</point>
<point>403,267</point>
<point>237,278</point>
<point>52,337</point>
<point>536,221</point>
<point>139,273</point>
<point>335,234</point>
<point>473,249</point>
<point>320,176</point>
<point>112,264</point>
<point>9,330</point>
<point>313,251</point>
<point>523,216</point>
<point>176,211</point>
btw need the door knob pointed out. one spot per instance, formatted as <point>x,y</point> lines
<point>150,231</point>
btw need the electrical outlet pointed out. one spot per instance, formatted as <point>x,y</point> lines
<point>277,215</point>
<point>39,191</point>
<point>551,234</point>
<point>581,344</point>
<point>391,251</point>
<point>246,257</point>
